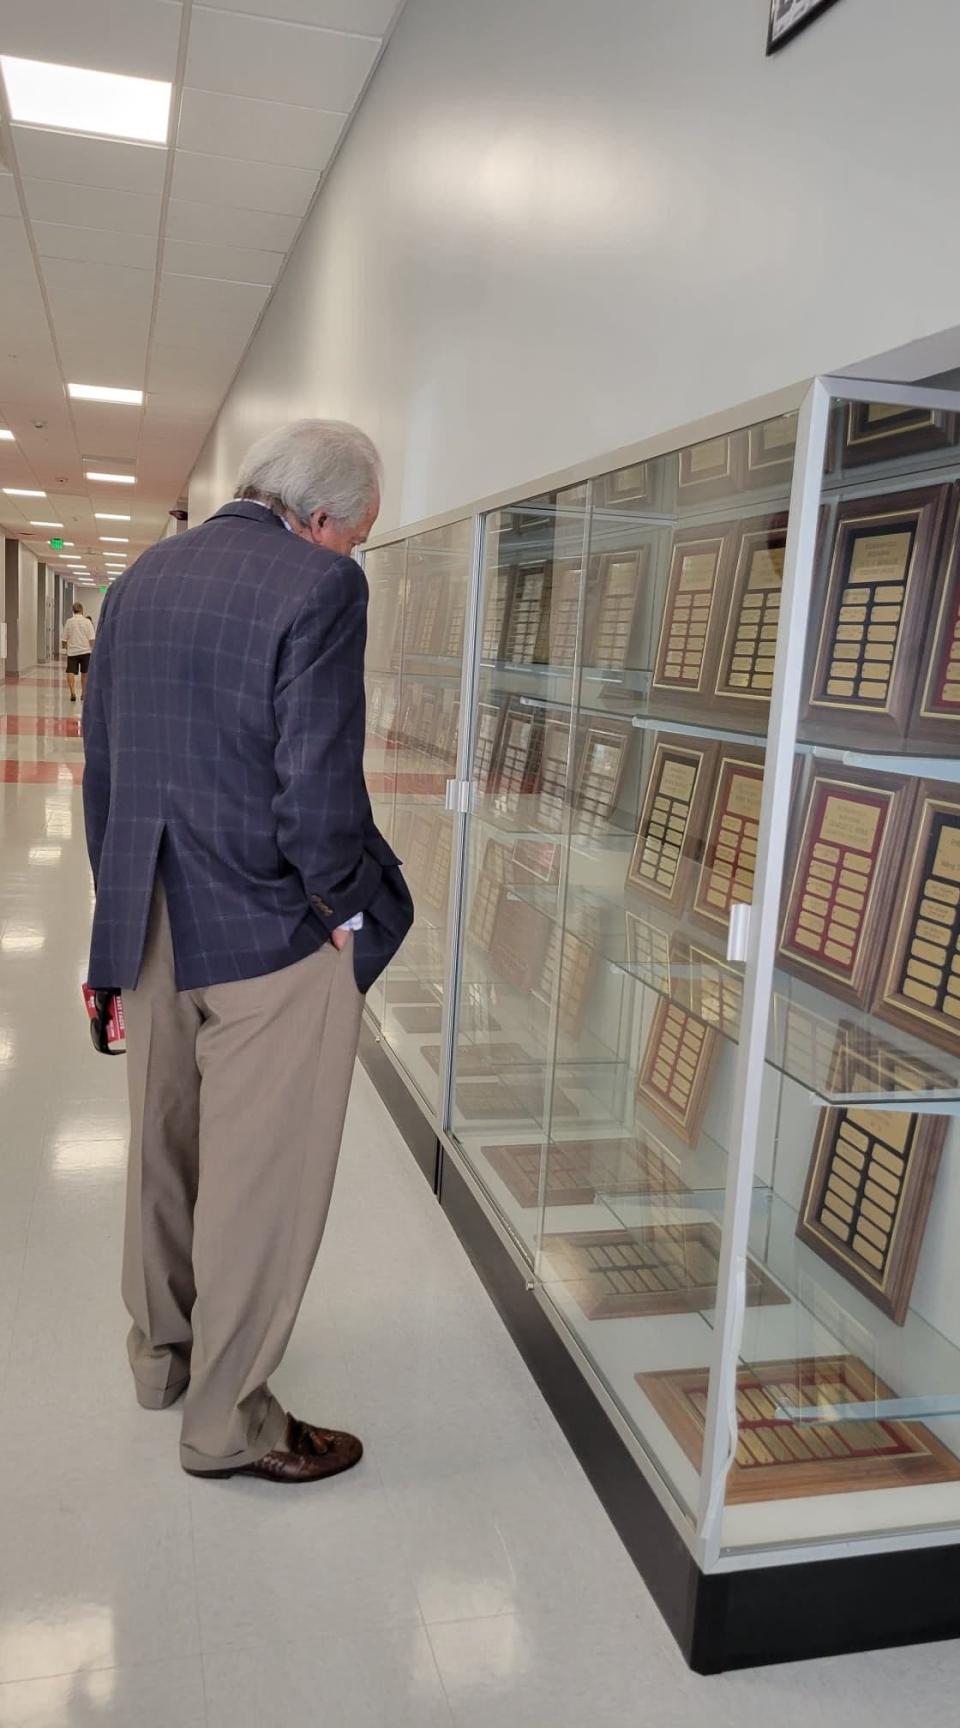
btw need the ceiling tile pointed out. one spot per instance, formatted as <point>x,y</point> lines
<point>186,368</point>
<point>247,56</point>
<point>216,314</point>
<point>133,36</point>
<point>227,263</point>
<point>92,207</point>
<point>266,230</point>
<point>363,17</point>
<point>258,131</point>
<point>46,155</point>
<point>96,245</point>
<point>244,185</point>
<point>105,281</point>
<point>16,258</point>
<point>9,202</point>
<point>103,428</point>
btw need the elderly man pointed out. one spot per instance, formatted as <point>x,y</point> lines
<point>244,902</point>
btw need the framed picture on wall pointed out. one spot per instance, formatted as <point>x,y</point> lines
<point>788,17</point>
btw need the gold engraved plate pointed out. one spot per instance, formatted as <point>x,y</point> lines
<point>677,781</point>
<point>766,569</point>
<point>708,458</point>
<point>697,571</point>
<point>946,864</point>
<point>881,557</point>
<point>850,824</point>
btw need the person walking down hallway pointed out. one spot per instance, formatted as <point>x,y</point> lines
<point>78,636</point>
<point>245,901</point>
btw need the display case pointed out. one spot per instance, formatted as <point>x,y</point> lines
<point>683,998</point>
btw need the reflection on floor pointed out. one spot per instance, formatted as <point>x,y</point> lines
<point>463,1576</point>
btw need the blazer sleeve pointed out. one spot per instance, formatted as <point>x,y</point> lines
<point>96,749</point>
<point>321,807</point>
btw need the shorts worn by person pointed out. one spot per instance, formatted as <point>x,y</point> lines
<point>78,634</point>
<point>245,900</point>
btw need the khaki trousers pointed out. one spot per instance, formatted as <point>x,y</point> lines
<point>238,1094</point>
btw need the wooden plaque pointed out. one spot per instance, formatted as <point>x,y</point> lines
<point>497,1100</point>
<point>809,1047</point>
<point>496,869</point>
<point>603,757</point>
<point>474,1060</point>
<point>711,987</point>
<point>616,581</point>
<point>777,1460</point>
<point>936,710</point>
<point>670,835</point>
<point>867,1196</point>
<point>525,637</point>
<point>518,945</point>
<point>920,986</point>
<point>648,952</point>
<point>569,972</point>
<point>884,431</point>
<point>515,773</point>
<point>852,834</point>
<point>425,612</point>
<point>499,588</point>
<point>577,1171</point>
<point>711,469</point>
<point>685,664</point>
<point>651,1270</point>
<point>676,1069</point>
<point>549,808</point>
<point>729,863</point>
<point>537,860</point>
<point>486,744</point>
<point>744,678</point>
<point>624,486</point>
<point>873,600</point>
<point>771,449</point>
<point>564,614</point>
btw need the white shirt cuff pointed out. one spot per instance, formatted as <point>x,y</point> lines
<point>354,923</point>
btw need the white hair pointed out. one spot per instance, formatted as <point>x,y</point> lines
<point>311,465</point>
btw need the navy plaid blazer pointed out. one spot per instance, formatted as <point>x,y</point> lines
<point>223,733</point>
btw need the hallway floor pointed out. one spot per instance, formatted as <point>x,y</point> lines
<point>463,1575</point>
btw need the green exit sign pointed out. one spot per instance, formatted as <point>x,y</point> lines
<point>55,545</point>
<point>103,587</point>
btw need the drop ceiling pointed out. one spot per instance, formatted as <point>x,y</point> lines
<point>148,266</point>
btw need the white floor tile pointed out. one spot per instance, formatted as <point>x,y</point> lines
<point>371,1680</point>
<point>162,1695</point>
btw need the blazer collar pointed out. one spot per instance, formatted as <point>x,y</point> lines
<point>252,511</point>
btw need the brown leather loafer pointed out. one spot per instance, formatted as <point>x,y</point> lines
<point>307,1455</point>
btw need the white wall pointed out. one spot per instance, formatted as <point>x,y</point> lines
<point>27,613</point>
<point>557,229</point>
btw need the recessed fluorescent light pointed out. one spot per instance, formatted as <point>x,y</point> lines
<point>46,524</point>
<point>109,516</point>
<point>114,479</point>
<point>104,393</point>
<point>22,492</point>
<point>6,436</point>
<point>75,99</point>
<point>116,539</point>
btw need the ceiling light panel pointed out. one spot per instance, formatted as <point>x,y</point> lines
<point>5,436</point>
<point>105,393</point>
<point>76,99</point>
<point>116,539</point>
<point>109,516</point>
<point>109,479</point>
<point>22,492</point>
<point>46,524</point>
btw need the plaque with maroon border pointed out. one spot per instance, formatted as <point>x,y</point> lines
<point>920,985</point>
<point>777,1459</point>
<point>685,665</point>
<point>490,716</point>
<point>629,485</point>
<point>744,678</point>
<point>499,589</point>
<point>516,771</point>
<point>563,618</point>
<point>577,961</point>
<point>710,469</point>
<point>549,807</point>
<point>711,987</point>
<point>771,448</point>
<point>603,758</point>
<point>726,876</point>
<point>613,608</point>
<point>525,637</point>
<point>851,838</point>
<point>513,1101</point>
<point>868,1192</point>
<point>496,869</point>
<point>649,951</point>
<point>518,945</point>
<point>872,598</point>
<point>936,708</point>
<point>653,1269</point>
<point>577,1171</point>
<point>884,431</point>
<point>672,816</point>
<point>676,1069</point>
